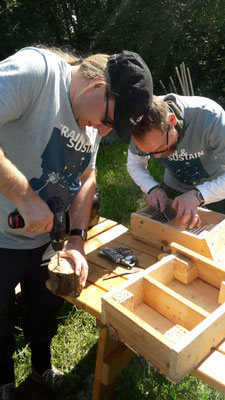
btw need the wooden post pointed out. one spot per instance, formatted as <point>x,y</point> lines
<point>112,357</point>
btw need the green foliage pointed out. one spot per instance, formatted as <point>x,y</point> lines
<point>164,33</point>
<point>167,33</point>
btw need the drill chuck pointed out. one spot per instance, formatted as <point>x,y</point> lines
<point>60,223</point>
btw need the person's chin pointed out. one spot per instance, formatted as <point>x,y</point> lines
<point>168,153</point>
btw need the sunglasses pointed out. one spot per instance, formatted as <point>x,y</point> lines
<point>158,152</point>
<point>107,121</point>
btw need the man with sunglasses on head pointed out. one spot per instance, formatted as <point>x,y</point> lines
<point>54,108</point>
<point>187,136</point>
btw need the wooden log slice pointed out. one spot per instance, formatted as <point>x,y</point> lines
<point>63,281</point>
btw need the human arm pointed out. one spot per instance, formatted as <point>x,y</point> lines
<point>212,130</point>
<point>137,169</point>
<point>21,78</point>
<point>79,212</point>
<point>13,184</point>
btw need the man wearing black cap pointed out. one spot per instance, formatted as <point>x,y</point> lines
<point>54,108</point>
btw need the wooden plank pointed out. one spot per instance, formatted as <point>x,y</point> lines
<point>221,347</point>
<point>102,226</point>
<point>115,363</point>
<point>222,293</point>
<point>216,238</point>
<point>208,270</point>
<point>103,238</point>
<point>106,345</point>
<point>185,270</point>
<point>144,260</point>
<point>154,319</point>
<point>212,372</point>
<point>129,327</point>
<point>209,217</point>
<point>189,353</point>
<point>171,305</point>
<point>165,272</point>
<point>198,292</point>
<point>220,256</point>
<point>128,240</point>
<point>142,228</point>
<point>97,274</point>
<point>110,268</point>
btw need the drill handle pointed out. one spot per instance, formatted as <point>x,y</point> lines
<point>15,220</point>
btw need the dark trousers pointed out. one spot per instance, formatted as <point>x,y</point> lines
<point>30,268</point>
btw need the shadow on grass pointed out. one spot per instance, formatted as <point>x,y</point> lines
<point>78,380</point>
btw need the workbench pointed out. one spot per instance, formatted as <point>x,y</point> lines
<point>113,356</point>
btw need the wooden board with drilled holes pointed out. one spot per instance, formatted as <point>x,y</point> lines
<point>208,240</point>
<point>173,308</point>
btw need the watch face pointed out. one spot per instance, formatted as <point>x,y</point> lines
<point>199,196</point>
<point>84,234</point>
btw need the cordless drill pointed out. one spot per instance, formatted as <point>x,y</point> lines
<point>60,227</point>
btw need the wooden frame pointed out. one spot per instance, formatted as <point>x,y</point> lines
<point>208,240</point>
<point>170,313</point>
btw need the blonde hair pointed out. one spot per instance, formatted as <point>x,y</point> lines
<point>90,67</point>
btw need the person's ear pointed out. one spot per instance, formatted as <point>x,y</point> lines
<point>172,119</point>
<point>98,81</point>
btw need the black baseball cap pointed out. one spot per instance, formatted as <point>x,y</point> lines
<point>132,87</point>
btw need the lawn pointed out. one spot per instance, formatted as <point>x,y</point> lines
<point>74,347</point>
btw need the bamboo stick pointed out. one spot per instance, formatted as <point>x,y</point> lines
<point>190,82</point>
<point>173,85</point>
<point>179,78</point>
<point>161,83</point>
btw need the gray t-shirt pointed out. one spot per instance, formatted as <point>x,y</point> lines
<point>200,155</point>
<point>40,135</point>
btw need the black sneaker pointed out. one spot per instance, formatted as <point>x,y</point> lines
<point>53,379</point>
<point>7,391</point>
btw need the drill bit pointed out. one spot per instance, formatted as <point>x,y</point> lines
<point>133,271</point>
<point>57,258</point>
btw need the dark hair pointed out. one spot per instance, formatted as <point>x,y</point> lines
<point>157,117</point>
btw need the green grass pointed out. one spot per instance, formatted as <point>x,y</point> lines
<point>120,196</point>
<point>75,345</point>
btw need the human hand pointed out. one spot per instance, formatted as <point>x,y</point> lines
<point>186,207</point>
<point>157,198</point>
<point>36,214</point>
<point>74,249</point>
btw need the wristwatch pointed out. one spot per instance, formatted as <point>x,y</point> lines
<point>199,196</point>
<point>79,232</point>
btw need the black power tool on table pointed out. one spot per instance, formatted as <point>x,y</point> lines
<point>60,227</point>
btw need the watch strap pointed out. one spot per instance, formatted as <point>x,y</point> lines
<point>154,187</point>
<point>199,196</point>
<point>79,232</point>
